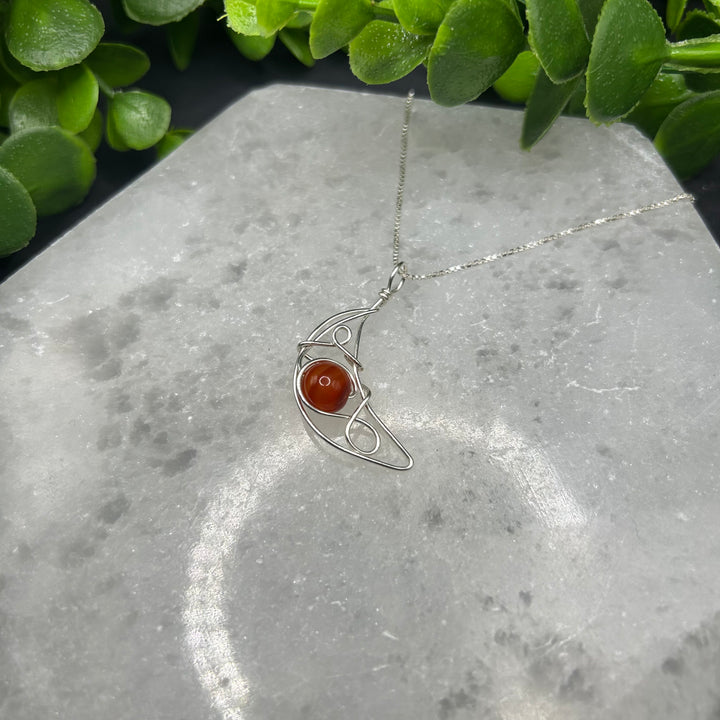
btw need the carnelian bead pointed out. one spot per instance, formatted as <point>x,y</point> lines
<point>326,385</point>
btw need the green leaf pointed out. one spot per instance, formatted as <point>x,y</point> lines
<point>336,23</point>
<point>56,168</point>
<point>697,24</point>
<point>667,92</point>
<point>117,64</point>
<point>139,118</point>
<point>77,97</point>
<point>53,34</point>
<point>590,10</point>
<point>253,47</point>
<point>557,35</point>
<point>34,105</point>
<point>296,41</point>
<point>121,20</point>
<point>299,21</point>
<point>547,101</point>
<point>517,82</point>
<point>6,96</point>
<point>576,104</point>
<point>674,12</point>
<point>8,86</point>
<point>476,43</point>
<point>627,52</point>
<point>385,51</point>
<point>92,134</point>
<point>690,136</point>
<point>17,71</point>
<point>159,12</point>
<point>242,18</point>
<point>113,137</point>
<point>702,82</point>
<point>713,7</point>
<point>172,140</point>
<point>17,214</point>
<point>181,37</point>
<point>422,17</point>
<point>274,14</point>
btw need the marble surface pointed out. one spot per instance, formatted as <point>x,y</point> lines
<point>173,545</point>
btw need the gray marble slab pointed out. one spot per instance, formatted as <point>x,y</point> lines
<point>174,546</point>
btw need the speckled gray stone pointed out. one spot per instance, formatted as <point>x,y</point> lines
<point>174,546</point>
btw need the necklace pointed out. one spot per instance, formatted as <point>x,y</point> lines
<point>328,390</point>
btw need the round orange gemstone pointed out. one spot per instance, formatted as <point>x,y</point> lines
<point>326,385</point>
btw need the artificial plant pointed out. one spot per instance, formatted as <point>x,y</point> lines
<point>63,90</point>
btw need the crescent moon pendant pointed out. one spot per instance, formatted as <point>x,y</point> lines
<point>331,397</point>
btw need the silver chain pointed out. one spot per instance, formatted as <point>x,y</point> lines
<point>504,253</point>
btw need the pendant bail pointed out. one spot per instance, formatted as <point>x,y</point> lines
<point>399,271</point>
<point>396,280</point>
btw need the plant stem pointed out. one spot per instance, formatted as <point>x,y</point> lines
<point>382,12</point>
<point>105,89</point>
<point>696,53</point>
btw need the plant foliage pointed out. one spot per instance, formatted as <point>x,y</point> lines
<point>63,90</point>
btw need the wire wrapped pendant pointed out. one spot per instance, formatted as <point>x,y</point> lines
<point>333,400</point>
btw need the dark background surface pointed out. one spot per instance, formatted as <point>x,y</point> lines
<point>218,76</point>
